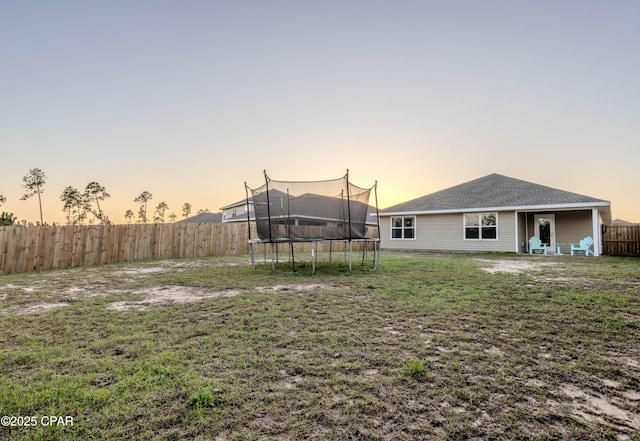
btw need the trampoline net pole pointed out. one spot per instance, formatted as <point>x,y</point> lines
<point>349,205</point>
<point>266,183</point>
<point>293,257</point>
<point>375,193</point>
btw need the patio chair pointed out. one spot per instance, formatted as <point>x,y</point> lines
<point>536,244</point>
<point>584,247</point>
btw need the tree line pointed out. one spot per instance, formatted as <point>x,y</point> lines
<point>82,207</point>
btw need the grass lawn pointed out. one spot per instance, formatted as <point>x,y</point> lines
<point>428,346</point>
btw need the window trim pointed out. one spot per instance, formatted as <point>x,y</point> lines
<point>480,226</point>
<point>392,228</point>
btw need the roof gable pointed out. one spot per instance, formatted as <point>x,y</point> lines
<point>492,191</point>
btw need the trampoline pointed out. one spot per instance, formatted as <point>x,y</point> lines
<point>328,211</point>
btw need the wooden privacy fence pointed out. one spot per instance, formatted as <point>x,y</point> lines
<point>35,248</point>
<point>621,240</point>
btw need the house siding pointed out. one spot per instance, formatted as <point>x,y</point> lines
<point>571,227</point>
<point>445,232</point>
<point>236,212</point>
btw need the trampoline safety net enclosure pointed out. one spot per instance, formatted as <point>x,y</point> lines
<point>311,211</point>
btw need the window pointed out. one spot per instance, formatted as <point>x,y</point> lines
<point>481,226</point>
<point>403,227</point>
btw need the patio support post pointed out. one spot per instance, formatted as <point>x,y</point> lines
<point>517,250</point>
<point>595,218</point>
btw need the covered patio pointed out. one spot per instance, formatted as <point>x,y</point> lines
<point>559,228</point>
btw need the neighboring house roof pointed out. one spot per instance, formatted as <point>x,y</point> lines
<point>621,222</point>
<point>204,218</point>
<point>495,192</point>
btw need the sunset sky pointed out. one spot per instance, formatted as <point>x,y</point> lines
<point>189,99</point>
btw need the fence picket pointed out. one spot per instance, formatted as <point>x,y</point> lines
<point>621,240</point>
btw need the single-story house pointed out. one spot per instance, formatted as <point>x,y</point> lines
<point>494,213</point>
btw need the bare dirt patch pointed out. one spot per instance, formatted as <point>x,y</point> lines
<point>295,288</point>
<point>610,383</point>
<point>42,307</point>
<point>140,270</point>
<point>42,292</point>
<point>534,382</point>
<point>77,293</point>
<point>166,295</point>
<point>632,395</point>
<point>288,381</point>
<point>594,408</point>
<point>513,266</point>
<point>157,296</point>
<point>494,351</point>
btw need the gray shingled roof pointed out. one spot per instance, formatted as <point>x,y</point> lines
<point>204,218</point>
<point>492,191</point>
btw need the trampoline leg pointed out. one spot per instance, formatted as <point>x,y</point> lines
<point>253,259</point>
<point>375,249</point>
<point>273,265</point>
<point>313,257</point>
<point>364,252</point>
<point>350,251</point>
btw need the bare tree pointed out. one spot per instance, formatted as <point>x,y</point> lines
<point>128,215</point>
<point>186,209</point>
<point>142,199</point>
<point>34,182</point>
<point>160,211</point>
<point>203,210</point>
<point>172,217</point>
<point>96,192</point>
<point>3,199</point>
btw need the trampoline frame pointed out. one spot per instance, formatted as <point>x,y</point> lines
<point>273,245</point>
